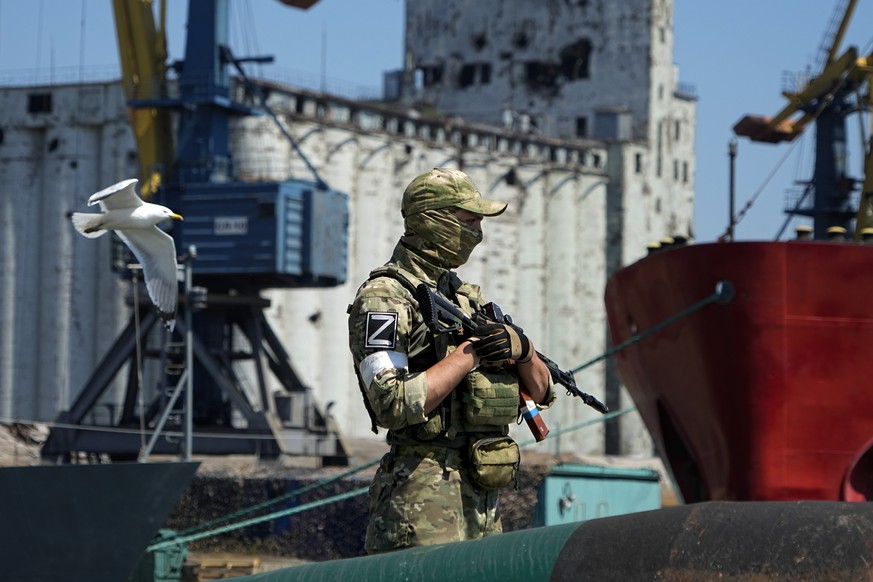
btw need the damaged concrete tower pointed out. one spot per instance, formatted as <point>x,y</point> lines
<point>570,68</point>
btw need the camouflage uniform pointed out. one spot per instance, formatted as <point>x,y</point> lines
<point>422,492</point>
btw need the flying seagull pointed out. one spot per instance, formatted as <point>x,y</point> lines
<point>135,223</point>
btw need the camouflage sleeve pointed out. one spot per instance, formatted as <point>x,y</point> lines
<point>381,320</point>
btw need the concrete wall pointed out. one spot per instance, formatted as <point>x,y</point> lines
<point>60,307</point>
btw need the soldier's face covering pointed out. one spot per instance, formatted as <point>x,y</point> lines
<point>441,238</point>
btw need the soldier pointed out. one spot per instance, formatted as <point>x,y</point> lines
<point>446,401</point>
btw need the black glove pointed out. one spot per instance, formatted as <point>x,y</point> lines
<point>495,343</point>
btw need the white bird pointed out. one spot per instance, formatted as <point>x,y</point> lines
<point>135,222</point>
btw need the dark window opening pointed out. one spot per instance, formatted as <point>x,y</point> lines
<point>479,42</point>
<point>426,76</point>
<point>541,75</point>
<point>575,60</point>
<point>39,103</point>
<point>638,163</point>
<point>581,127</point>
<point>520,40</point>
<point>299,105</point>
<point>53,144</point>
<point>474,73</point>
<point>467,76</point>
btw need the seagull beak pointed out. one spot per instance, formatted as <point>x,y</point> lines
<point>177,216</point>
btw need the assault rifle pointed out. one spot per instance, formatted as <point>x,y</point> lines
<point>443,316</point>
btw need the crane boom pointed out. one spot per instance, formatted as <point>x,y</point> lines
<point>840,31</point>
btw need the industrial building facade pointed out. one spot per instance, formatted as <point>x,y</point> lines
<point>572,114</point>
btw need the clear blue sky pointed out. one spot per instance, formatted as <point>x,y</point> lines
<point>735,54</point>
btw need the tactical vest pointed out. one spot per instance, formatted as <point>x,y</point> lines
<point>486,401</point>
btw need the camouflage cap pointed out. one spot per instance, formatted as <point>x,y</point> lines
<point>442,188</point>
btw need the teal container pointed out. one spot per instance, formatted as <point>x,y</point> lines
<point>164,565</point>
<point>576,493</point>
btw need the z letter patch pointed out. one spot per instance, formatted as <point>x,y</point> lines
<point>381,330</point>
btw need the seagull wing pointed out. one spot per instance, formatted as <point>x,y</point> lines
<point>156,253</point>
<point>121,195</point>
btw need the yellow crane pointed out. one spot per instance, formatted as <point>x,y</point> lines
<point>142,50</point>
<point>840,76</point>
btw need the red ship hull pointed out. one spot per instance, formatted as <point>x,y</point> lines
<point>767,397</point>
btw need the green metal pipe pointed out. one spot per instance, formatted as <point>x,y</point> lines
<point>522,555</point>
<point>762,541</point>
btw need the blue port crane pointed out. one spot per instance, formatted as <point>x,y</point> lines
<point>239,238</point>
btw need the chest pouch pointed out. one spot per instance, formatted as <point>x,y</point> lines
<point>490,398</point>
<point>494,462</point>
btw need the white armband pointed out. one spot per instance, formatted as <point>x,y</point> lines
<point>380,361</point>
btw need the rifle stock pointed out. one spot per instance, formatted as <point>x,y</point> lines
<point>443,316</point>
